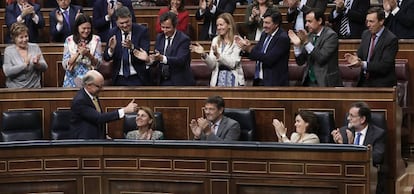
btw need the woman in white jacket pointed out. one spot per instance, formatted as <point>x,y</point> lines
<point>224,56</point>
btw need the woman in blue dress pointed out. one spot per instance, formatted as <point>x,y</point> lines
<point>82,52</point>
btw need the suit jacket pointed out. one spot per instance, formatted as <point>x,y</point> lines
<point>60,36</point>
<point>324,58</point>
<point>228,130</point>
<point>320,4</point>
<point>402,23</point>
<point>275,60</point>
<point>381,67</point>
<point>87,122</point>
<point>178,59</point>
<point>375,137</point>
<point>13,11</point>
<point>100,10</point>
<point>356,16</point>
<point>229,58</point>
<point>140,39</point>
<point>224,6</point>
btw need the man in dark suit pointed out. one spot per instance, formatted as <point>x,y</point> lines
<point>297,10</point>
<point>104,18</point>
<point>271,53</point>
<point>214,126</point>
<point>208,11</point>
<point>361,131</point>
<point>171,62</point>
<point>27,13</point>
<point>400,17</point>
<point>127,36</point>
<point>88,119</point>
<point>376,53</point>
<point>319,50</point>
<point>62,19</point>
<point>348,18</point>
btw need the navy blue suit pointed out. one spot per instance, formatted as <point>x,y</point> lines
<point>100,10</point>
<point>402,23</point>
<point>275,60</point>
<point>87,122</point>
<point>224,6</point>
<point>60,36</point>
<point>140,39</point>
<point>178,60</point>
<point>13,11</point>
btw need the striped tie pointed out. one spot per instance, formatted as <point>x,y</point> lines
<point>344,28</point>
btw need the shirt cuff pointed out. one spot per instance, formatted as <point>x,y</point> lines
<point>164,59</point>
<point>213,9</point>
<point>309,47</point>
<point>121,113</point>
<point>35,19</point>
<point>59,27</point>
<point>364,65</point>
<point>110,52</point>
<point>297,50</point>
<point>19,19</point>
<point>395,11</point>
<point>107,18</point>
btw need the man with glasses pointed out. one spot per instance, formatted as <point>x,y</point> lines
<point>214,126</point>
<point>88,119</point>
<point>360,131</point>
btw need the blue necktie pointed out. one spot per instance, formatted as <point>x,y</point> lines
<point>357,139</point>
<point>259,63</point>
<point>125,58</point>
<point>66,15</point>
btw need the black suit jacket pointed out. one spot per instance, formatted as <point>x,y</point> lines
<point>60,36</point>
<point>275,60</point>
<point>376,138</point>
<point>87,122</point>
<point>356,17</point>
<point>381,67</point>
<point>13,11</point>
<point>320,4</point>
<point>402,24</point>
<point>140,39</point>
<point>224,6</point>
<point>178,59</point>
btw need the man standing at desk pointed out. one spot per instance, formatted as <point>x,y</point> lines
<point>214,126</point>
<point>88,119</point>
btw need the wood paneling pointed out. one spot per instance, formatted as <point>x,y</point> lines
<point>186,170</point>
<point>181,104</point>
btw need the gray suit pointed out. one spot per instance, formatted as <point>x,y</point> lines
<point>228,130</point>
<point>324,58</point>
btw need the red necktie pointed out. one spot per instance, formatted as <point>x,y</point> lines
<point>372,46</point>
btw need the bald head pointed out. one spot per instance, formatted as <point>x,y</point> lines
<point>93,82</point>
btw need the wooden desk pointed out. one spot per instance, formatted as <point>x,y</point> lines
<point>183,167</point>
<point>181,104</point>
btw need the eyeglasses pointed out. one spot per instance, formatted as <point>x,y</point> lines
<point>98,86</point>
<point>352,116</point>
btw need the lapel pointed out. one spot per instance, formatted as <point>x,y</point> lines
<point>380,42</point>
<point>368,136</point>
<point>72,14</point>
<point>274,39</point>
<point>17,9</point>
<point>222,124</point>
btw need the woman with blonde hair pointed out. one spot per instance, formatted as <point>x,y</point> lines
<point>145,121</point>
<point>224,56</point>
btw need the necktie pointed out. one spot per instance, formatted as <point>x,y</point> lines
<point>96,103</point>
<point>344,28</point>
<point>66,16</point>
<point>312,76</point>
<point>259,63</point>
<point>372,46</point>
<point>357,139</point>
<point>167,46</point>
<point>125,58</point>
<point>214,128</point>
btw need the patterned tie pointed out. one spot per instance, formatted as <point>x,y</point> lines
<point>66,16</point>
<point>125,58</point>
<point>214,128</point>
<point>344,28</point>
<point>357,139</point>
<point>259,63</point>
<point>96,103</point>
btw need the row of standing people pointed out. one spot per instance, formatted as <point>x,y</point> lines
<point>347,18</point>
<point>170,62</point>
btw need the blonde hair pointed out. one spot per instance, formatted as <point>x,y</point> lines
<point>17,28</point>
<point>150,113</point>
<point>228,18</point>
